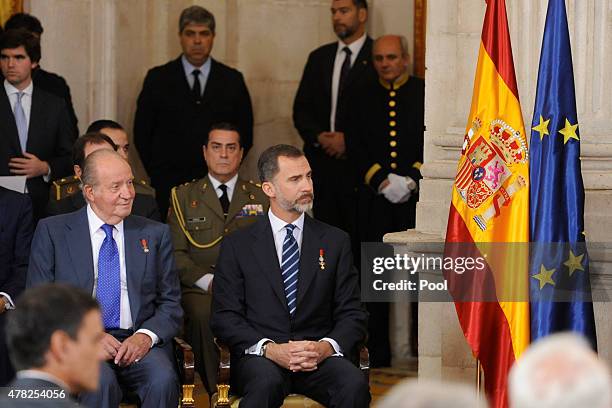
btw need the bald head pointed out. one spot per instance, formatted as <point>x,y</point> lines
<point>108,185</point>
<point>390,56</point>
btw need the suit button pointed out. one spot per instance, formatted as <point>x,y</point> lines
<point>392,114</point>
<point>392,123</point>
<point>226,230</point>
<point>392,133</point>
<point>392,94</point>
<point>393,143</point>
<point>394,154</point>
<point>392,104</point>
<point>393,165</point>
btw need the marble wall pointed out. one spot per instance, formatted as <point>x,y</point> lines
<point>105,47</point>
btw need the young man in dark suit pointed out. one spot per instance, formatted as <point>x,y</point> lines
<point>15,237</point>
<point>55,341</point>
<point>319,112</point>
<point>286,297</point>
<point>49,81</point>
<point>35,129</point>
<point>179,102</point>
<point>126,262</point>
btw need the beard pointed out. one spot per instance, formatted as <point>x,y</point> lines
<point>296,205</point>
<point>344,31</point>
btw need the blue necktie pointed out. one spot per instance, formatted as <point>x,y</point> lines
<point>21,122</point>
<point>290,266</point>
<point>108,291</point>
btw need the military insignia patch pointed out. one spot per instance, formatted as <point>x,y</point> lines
<point>250,210</point>
<point>194,203</point>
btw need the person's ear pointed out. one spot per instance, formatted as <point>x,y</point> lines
<point>204,151</point>
<point>77,170</point>
<point>268,189</point>
<point>88,191</point>
<point>363,15</point>
<point>58,346</point>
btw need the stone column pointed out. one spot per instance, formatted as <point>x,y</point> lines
<point>453,36</point>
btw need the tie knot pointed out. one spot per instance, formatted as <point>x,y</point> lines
<point>196,72</point>
<point>347,50</point>
<point>108,230</point>
<point>19,96</point>
<point>223,188</point>
<point>290,228</point>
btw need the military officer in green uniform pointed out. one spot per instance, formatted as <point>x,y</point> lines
<point>201,213</point>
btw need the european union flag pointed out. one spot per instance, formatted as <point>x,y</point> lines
<point>559,271</point>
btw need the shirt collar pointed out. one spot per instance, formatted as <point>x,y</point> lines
<point>42,375</point>
<point>398,82</point>
<point>10,89</point>
<point>188,67</point>
<point>95,223</point>
<point>231,183</point>
<point>355,46</point>
<point>278,225</point>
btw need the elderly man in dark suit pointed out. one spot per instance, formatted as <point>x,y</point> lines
<point>126,262</point>
<point>15,238</point>
<point>35,129</point>
<point>286,297</point>
<point>179,102</point>
<point>319,112</point>
<point>54,338</point>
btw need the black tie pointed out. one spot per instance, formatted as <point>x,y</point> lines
<point>197,88</point>
<point>224,199</point>
<point>344,73</point>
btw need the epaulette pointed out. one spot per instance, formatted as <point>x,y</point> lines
<point>65,187</point>
<point>142,187</point>
<point>255,184</point>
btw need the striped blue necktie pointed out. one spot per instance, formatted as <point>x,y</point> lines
<point>108,291</point>
<point>290,266</point>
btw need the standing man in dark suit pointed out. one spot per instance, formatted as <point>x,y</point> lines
<point>320,107</point>
<point>126,262</point>
<point>55,341</point>
<point>15,237</point>
<point>179,102</point>
<point>43,79</point>
<point>286,297</point>
<point>35,132</point>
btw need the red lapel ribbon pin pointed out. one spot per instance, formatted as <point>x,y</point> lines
<point>322,258</point>
<point>145,245</point>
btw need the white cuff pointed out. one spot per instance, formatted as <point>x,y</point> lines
<point>10,303</point>
<point>335,346</point>
<point>47,177</point>
<point>204,282</point>
<point>256,348</point>
<point>153,336</point>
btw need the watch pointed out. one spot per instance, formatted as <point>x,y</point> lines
<point>262,351</point>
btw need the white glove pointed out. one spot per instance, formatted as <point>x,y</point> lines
<point>399,189</point>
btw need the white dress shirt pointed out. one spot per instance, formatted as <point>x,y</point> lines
<point>204,282</point>
<point>26,99</point>
<point>280,232</point>
<point>355,47</point>
<point>204,73</point>
<point>97,236</point>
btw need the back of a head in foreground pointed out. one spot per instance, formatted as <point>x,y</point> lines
<point>560,371</point>
<point>413,393</point>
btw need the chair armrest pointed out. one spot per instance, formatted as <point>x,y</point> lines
<point>223,375</point>
<point>185,362</point>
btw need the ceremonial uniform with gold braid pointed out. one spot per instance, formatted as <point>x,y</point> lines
<point>198,225</point>
<point>386,136</point>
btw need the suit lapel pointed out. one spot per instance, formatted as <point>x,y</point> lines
<point>265,253</point>
<point>135,242</point>
<point>361,62</point>
<point>37,113</point>
<point>309,258</point>
<point>79,248</point>
<point>8,123</point>
<point>211,82</point>
<point>181,80</point>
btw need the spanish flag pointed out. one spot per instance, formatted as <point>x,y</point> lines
<point>490,204</point>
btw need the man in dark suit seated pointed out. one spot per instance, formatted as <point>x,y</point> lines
<point>66,195</point>
<point>126,262</point>
<point>15,237</point>
<point>46,80</point>
<point>55,341</point>
<point>286,297</point>
<point>179,102</point>
<point>37,135</point>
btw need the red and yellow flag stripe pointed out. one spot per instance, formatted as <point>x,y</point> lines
<point>490,204</point>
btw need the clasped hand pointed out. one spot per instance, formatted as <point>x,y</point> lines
<point>131,350</point>
<point>299,355</point>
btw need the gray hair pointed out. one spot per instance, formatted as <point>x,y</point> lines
<point>267,165</point>
<point>196,15</point>
<point>403,43</point>
<point>559,371</point>
<point>413,393</point>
